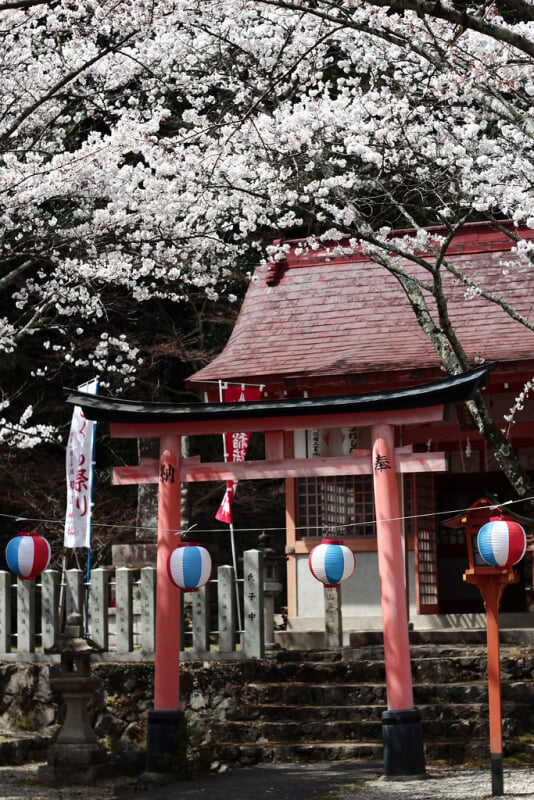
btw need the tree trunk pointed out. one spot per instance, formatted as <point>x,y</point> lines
<point>503,452</point>
<point>454,360</point>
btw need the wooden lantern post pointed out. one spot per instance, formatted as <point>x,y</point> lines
<point>491,582</point>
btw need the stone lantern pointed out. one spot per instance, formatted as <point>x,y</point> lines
<point>75,756</point>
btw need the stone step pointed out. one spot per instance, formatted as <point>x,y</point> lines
<point>307,731</point>
<point>313,730</point>
<point>457,751</point>
<point>516,710</point>
<point>435,665</point>
<point>277,713</point>
<point>20,748</point>
<point>246,754</point>
<point>437,751</point>
<point>454,636</point>
<point>333,654</point>
<point>522,648</point>
<point>436,669</point>
<point>314,694</point>
<point>469,667</point>
<point>349,694</point>
<point>319,672</point>
<point>328,705</point>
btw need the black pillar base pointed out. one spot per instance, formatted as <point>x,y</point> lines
<point>402,734</point>
<point>166,750</point>
<point>497,780</point>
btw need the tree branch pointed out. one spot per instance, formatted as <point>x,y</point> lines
<point>525,9</point>
<point>8,279</point>
<point>21,4</point>
<point>489,296</point>
<point>60,84</point>
<point>430,8</point>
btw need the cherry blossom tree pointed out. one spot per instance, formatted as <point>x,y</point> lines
<point>148,150</point>
<point>455,110</point>
<point>98,217</point>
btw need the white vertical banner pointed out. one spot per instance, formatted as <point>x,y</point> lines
<point>80,475</point>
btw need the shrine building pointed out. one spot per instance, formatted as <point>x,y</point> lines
<point>321,323</point>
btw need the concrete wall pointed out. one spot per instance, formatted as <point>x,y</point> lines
<point>360,594</point>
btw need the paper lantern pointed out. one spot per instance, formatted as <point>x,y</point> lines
<point>189,566</point>
<point>28,555</point>
<point>331,562</point>
<point>501,542</point>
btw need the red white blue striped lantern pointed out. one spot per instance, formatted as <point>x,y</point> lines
<point>189,566</point>
<point>331,562</point>
<point>501,542</point>
<point>28,555</point>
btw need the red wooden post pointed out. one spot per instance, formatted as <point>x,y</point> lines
<point>492,594</point>
<point>401,728</point>
<point>167,656</point>
<point>492,582</point>
<point>166,722</point>
<point>391,571</point>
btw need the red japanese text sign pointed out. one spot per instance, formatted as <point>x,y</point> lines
<point>235,446</point>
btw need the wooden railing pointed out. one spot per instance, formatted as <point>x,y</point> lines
<point>121,611</point>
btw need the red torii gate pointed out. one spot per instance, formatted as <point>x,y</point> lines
<point>382,411</point>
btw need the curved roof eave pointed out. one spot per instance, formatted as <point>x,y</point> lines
<point>454,389</point>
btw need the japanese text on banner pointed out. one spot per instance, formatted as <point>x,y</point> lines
<point>80,476</point>
<point>235,445</point>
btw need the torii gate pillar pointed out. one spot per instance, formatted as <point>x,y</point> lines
<point>401,723</point>
<point>166,723</point>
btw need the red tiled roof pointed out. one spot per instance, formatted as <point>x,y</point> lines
<point>335,319</point>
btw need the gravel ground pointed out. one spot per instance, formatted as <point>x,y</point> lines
<point>445,784</point>
<point>22,782</point>
<point>302,782</point>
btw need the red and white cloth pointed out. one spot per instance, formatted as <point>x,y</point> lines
<point>235,446</point>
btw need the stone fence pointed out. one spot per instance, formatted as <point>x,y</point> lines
<point>120,611</point>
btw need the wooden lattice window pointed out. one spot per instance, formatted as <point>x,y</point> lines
<point>426,553</point>
<point>343,505</point>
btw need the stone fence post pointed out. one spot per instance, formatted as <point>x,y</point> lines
<point>201,620</point>
<point>25,616</point>
<point>253,604</point>
<point>227,609</point>
<point>148,609</point>
<point>49,607</point>
<point>132,630</point>
<point>74,593</point>
<point>5,612</point>
<point>99,607</point>
<point>124,610</point>
<point>332,617</point>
